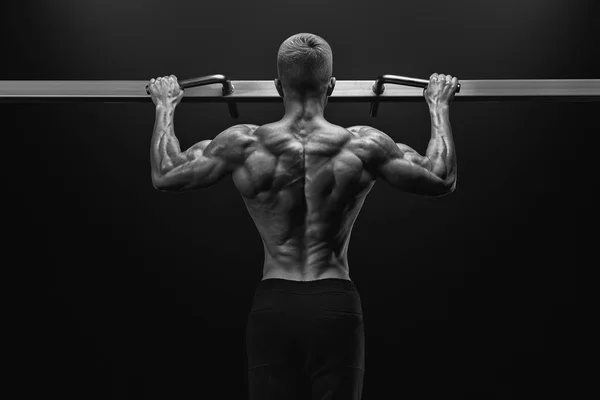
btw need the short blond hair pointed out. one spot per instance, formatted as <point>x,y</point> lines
<point>305,63</point>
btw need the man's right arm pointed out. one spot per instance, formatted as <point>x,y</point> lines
<point>434,174</point>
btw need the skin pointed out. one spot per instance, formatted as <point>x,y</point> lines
<point>303,179</point>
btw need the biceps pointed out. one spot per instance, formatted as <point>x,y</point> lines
<point>412,177</point>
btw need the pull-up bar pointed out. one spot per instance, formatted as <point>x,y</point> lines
<point>218,88</point>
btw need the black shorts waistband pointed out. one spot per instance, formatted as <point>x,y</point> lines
<point>306,287</point>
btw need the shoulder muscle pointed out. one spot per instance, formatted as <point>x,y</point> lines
<point>378,148</point>
<point>232,144</point>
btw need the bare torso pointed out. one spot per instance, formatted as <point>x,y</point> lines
<point>303,179</point>
<point>304,185</point>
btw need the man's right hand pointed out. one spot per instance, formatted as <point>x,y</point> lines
<point>441,89</point>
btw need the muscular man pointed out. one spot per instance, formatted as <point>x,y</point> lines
<point>304,180</point>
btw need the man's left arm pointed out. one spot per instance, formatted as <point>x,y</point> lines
<point>203,164</point>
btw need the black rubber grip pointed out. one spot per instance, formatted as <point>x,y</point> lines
<point>378,87</point>
<point>204,80</point>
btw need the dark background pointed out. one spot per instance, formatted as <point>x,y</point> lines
<point>123,292</point>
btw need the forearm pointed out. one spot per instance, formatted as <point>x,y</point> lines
<point>440,150</point>
<point>165,152</point>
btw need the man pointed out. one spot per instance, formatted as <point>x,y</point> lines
<point>304,181</point>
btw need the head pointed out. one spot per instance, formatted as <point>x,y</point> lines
<point>305,67</point>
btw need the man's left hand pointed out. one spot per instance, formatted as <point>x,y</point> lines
<point>165,91</point>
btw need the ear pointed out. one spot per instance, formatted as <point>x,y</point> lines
<point>331,86</point>
<point>279,87</point>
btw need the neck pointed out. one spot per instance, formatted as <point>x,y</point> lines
<point>304,107</point>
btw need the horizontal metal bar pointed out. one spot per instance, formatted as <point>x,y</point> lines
<point>264,91</point>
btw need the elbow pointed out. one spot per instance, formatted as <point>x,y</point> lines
<point>448,187</point>
<point>447,192</point>
<point>452,181</point>
<point>442,188</point>
<point>159,175</point>
<point>168,183</point>
<point>158,186</point>
<point>159,183</point>
<point>445,179</point>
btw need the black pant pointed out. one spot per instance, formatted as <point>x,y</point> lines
<point>305,340</point>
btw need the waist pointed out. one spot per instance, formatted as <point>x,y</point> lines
<point>300,273</point>
<point>332,286</point>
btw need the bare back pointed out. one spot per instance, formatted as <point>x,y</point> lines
<point>304,190</point>
<point>304,180</point>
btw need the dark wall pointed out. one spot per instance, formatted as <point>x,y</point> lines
<point>124,292</point>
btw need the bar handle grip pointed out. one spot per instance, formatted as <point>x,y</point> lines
<point>378,87</point>
<point>204,80</point>
<point>209,80</point>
